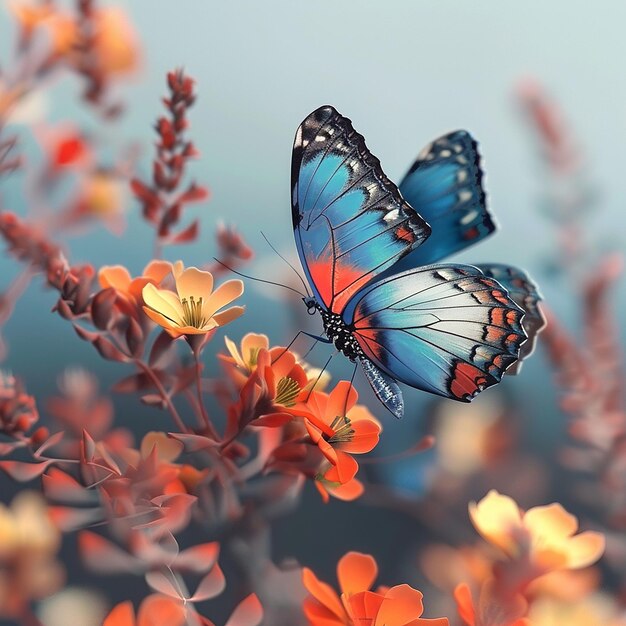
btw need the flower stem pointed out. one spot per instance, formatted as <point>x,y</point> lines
<point>144,367</point>
<point>205,416</point>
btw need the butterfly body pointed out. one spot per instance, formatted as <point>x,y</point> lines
<point>447,329</point>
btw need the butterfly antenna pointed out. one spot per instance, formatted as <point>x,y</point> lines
<point>260,280</point>
<point>296,272</point>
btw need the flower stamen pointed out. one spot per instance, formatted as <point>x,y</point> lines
<point>192,312</point>
<point>287,391</point>
<point>344,433</point>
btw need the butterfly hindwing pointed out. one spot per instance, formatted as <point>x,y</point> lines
<point>350,222</point>
<point>523,291</point>
<point>445,186</point>
<point>446,329</point>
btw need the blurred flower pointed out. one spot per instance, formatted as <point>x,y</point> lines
<point>194,310</point>
<point>82,606</point>
<point>18,411</point>
<point>546,533</point>
<point>101,196</point>
<point>491,609</point>
<point>155,609</point>
<point>29,543</point>
<point>396,606</point>
<point>65,147</point>
<point>338,426</point>
<point>594,609</point>
<point>244,359</point>
<point>115,42</point>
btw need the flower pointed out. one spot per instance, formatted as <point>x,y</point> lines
<point>594,609</point>
<point>193,310</point>
<point>115,42</point>
<point>29,543</point>
<point>396,606</point>
<point>155,609</point>
<point>491,609</point>
<point>338,426</point>
<point>243,360</point>
<point>344,486</point>
<point>129,289</point>
<point>547,533</point>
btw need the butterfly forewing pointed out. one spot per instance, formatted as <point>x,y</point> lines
<point>445,186</point>
<point>349,219</point>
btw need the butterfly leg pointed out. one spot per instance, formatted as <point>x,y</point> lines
<point>345,405</point>
<point>328,360</point>
<point>301,332</point>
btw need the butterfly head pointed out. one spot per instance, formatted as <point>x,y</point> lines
<point>311,304</point>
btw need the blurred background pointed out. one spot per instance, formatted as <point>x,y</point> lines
<point>405,72</point>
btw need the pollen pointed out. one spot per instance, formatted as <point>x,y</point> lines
<point>287,391</point>
<point>192,312</point>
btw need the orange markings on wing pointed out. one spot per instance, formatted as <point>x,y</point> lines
<point>406,234</point>
<point>321,274</point>
<point>466,380</point>
<point>470,234</point>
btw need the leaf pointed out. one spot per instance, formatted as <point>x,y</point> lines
<point>188,234</point>
<point>194,443</point>
<point>163,584</point>
<point>23,472</point>
<point>49,443</point>
<point>272,420</point>
<point>102,308</point>
<point>108,351</point>
<point>198,559</point>
<point>132,383</point>
<point>8,447</point>
<point>210,586</point>
<point>249,612</point>
<point>69,519</point>
<point>104,557</point>
<point>84,334</point>
<point>194,193</point>
<point>57,485</point>
<point>160,346</point>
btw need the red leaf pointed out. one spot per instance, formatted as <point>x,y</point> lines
<point>194,193</point>
<point>108,351</point>
<point>102,308</point>
<point>23,472</point>
<point>134,382</point>
<point>194,443</point>
<point>163,584</point>
<point>85,334</point>
<point>134,338</point>
<point>160,346</point>
<point>142,191</point>
<point>190,233</point>
<point>210,586</point>
<point>104,557</point>
<point>272,420</point>
<point>58,485</point>
<point>8,447</point>
<point>199,559</point>
<point>248,613</point>
<point>69,519</point>
<point>50,443</point>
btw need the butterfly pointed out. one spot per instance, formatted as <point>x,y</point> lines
<point>373,264</point>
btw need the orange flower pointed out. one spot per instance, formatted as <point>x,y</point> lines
<point>329,482</point>
<point>194,309</point>
<point>338,426</point>
<point>243,360</point>
<point>129,289</point>
<point>546,533</point>
<point>115,42</point>
<point>101,196</point>
<point>396,606</point>
<point>490,610</point>
<point>29,542</point>
<point>154,610</point>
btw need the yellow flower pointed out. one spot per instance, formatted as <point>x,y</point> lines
<point>594,609</point>
<point>193,310</point>
<point>546,534</point>
<point>251,344</point>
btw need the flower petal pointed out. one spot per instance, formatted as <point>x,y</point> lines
<point>550,522</point>
<point>349,491</point>
<point>497,518</point>
<point>365,438</point>
<point>164,302</point>
<point>229,315</point>
<point>585,549</point>
<point>356,572</point>
<point>222,296</point>
<point>322,592</point>
<point>341,399</point>
<point>251,344</point>
<point>402,604</point>
<point>116,276</point>
<point>195,283</point>
<point>231,346</point>
<point>157,270</point>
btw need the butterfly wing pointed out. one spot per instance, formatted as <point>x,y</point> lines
<point>446,329</point>
<point>445,186</point>
<point>350,222</point>
<point>523,291</point>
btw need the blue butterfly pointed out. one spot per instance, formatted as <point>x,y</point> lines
<point>372,263</point>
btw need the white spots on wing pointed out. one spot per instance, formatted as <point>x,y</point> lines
<point>469,217</point>
<point>320,138</point>
<point>444,154</point>
<point>392,216</point>
<point>458,148</point>
<point>461,176</point>
<point>462,159</point>
<point>465,195</point>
